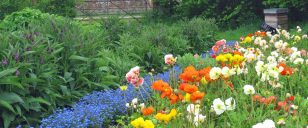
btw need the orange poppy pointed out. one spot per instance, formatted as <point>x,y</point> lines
<point>205,72</point>
<point>159,85</point>
<point>250,35</point>
<point>182,86</point>
<point>190,88</point>
<point>263,34</point>
<point>237,52</point>
<point>196,96</point>
<point>147,111</point>
<point>257,98</point>
<point>190,74</point>
<point>173,98</point>
<point>167,91</point>
<point>181,97</point>
<point>270,99</point>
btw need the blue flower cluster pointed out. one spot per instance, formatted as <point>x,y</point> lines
<point>101,107</point>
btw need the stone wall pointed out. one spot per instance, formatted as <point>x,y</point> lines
<point>102,7</point>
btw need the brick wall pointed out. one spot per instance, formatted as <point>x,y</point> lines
<point>101,7</point>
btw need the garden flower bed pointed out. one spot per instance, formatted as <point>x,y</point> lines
<point>260,82</point>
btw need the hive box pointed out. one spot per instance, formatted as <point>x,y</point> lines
<point>276,17</point>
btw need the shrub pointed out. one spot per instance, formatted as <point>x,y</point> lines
<point>228,13</point>
<point>59,7</point>
<point>200,33</point>
<point>47,62</point>
<point>155,40</point>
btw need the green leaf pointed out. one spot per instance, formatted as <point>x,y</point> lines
<point>58,50</point>
<point>7,105</point>
<point>7,119</point>
<point>104,68</point>
<point>7,72</point>
<point>28,53</point>
<point>11,80</point>
<point>75,57</point>
<point>11,97</point>
<point>38,100</point>
<point>64,90</point>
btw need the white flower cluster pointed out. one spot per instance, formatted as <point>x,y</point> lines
<point>249,90</point>
<point>134,104</point>
<point>194,114</point>
<point>280,45</point>
<point>268,71</point>
<point>266,124</point>
<point>226,72</point>
<point>295,57</point>
<point>220,107</point>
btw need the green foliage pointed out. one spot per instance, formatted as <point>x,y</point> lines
<point>297,8</point>
<point>60,7</point>
<point>155,40</point>
<point>164,8</point>
<point>47,62</point>
<point>24,17</point>
<point>199,39</point>
<point>228,13</point>
<point>198,62</point>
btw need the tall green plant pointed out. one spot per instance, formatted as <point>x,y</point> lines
<point>46,62</point>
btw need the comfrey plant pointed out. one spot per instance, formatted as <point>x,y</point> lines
<point>101,107</point>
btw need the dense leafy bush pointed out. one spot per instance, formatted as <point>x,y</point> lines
<point>155,40</point>
<point>228,13</point>
<point>200,33</point>
<point>47,62</point>
<point>60,7</point>
<point>164,8</point>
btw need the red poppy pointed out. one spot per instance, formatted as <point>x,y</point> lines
<point>182,86</point>
<point>286,70</point>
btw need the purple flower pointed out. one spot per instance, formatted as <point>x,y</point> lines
<point>17,73</point>
<point>16,57</point>
<point>5,62</point>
